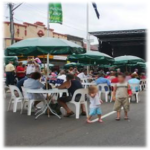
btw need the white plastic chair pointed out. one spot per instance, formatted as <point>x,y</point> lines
<point>14,99</point>
<point>84,80</point>
<point>143,84</point>
<point>61,93</point>
<point>103,91</point>
<point>134,87</point>
<point>83,93</point>
<point>27,100</point>
<point>112,86</point>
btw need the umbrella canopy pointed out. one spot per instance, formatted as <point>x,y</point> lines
<point>74,65</point>
<point>138,64</point>
<point>107,66</point>
<point>43,46</point>
<point>128,59</point>
<point>91,57</point>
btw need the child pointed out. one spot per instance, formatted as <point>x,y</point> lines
<point>120,96</point>
<point>95,103</point>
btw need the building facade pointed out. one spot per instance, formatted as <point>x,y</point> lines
<point>28,30</point>
<point>38,29</point>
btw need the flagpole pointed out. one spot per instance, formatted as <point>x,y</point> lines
<point>48,34</point>
<point>48,21</point>
<point>87,28</point>
<point>87,32</point>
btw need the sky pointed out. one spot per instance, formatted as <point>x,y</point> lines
<point>113,16</point>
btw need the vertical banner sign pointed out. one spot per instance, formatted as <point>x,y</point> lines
<point>55,12</point>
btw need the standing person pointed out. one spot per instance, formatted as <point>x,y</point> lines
<point>20,71</point>
<point>120,96</point>
<point>95,103</point>
<point>10,73</point>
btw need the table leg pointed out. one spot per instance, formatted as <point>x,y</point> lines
<point>41,110</point>
<point>47,107</point>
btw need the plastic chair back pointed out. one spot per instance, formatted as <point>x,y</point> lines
<point>134,87</point>
<point>102,87</point>
<point>82,92</point>
<point>14,89</point>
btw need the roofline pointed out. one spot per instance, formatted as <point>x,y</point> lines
<point>116,32</point>
<point>59,34</point>
<point>25,24</point>
<point>74,36</point>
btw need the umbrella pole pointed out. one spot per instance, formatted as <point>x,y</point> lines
<point>48,112</point>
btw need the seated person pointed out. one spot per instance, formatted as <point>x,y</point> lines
<point>102,80</point>
<point>111,76</point>
<point>62,75</point>
<point>134,80</point>
<point>83,74</point>
<point>142,76</point>
<point>34,83</point>
<point>128,76</point>
<point>72,85</point>
<point>115,80</point>
<point>21,82</point>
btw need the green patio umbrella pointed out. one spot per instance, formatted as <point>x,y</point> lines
<point>91,57</point>
<point>127,59</point>
<point>138,65</point>
<point>43,46</point>
<point>74,65</point>
<point>106,66</point>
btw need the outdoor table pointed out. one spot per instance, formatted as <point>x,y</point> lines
<point>46,103</point>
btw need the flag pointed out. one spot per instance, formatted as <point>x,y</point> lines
<point>55,13</point>
<point>96,11</point>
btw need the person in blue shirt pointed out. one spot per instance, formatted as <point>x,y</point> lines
<point>134,80</point>
<point>102,80</point>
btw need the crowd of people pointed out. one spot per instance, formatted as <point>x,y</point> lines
<point>33,77</point>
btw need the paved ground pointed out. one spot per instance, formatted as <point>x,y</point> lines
<point>22,130</point>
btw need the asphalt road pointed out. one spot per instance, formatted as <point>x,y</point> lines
<point>23,130</point>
